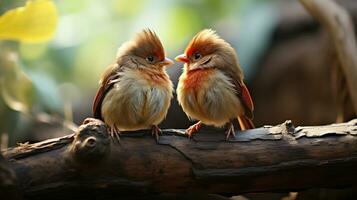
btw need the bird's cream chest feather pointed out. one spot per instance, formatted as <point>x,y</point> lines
<point>135,102</point>
<point>208,96</point>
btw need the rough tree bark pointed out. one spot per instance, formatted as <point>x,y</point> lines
<point>271,158</point>
<point>8,182</point>
<point>339,26</point>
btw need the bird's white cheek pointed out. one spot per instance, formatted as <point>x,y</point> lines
<point>193,66</point>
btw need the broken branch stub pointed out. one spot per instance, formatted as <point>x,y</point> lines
<point>91,143</point>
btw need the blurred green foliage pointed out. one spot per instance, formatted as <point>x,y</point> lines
<point>63,72</point>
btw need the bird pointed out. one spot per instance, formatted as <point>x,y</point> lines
<point>211,88</point>
<point>135,91</point>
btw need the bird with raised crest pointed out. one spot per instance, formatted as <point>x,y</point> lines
<point>135,92</point>
<point>211,87</point>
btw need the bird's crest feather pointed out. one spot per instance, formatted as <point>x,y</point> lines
<point>145,43</point>
<point>206,42</point>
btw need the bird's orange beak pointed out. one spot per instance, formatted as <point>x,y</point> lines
<point>182,58</point>
<point>166,62</point>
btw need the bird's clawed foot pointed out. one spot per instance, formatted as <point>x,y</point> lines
<point>230,130</point>
<point>114,133</point>
<point>155,130</point>
<point>193,129</point>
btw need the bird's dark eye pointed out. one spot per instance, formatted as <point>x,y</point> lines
<point>150,58</point>
<point>197,56</point>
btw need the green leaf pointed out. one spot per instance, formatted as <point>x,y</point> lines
<point>16,87</point>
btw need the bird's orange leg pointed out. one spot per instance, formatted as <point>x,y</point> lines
<point>193,129</point>
<point>155,130</point>
<point>230,130</point>
<point>114,133</point>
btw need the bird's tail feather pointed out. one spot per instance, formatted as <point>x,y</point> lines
<point>245,123</point>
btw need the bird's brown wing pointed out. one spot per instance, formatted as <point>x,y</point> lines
<point>107,83</point>
<point>243,94</point>
<point>247,100</point>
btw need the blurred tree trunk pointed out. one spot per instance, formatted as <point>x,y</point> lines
<point>339,26</point>
<point>296,77</point>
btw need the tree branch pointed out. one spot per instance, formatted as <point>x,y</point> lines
<point>339,26</point>
<point>271,158</point>
<point>8,187</point>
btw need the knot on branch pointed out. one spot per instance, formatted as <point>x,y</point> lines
<point>91,141</point>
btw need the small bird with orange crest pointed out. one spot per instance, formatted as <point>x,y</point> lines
<point>135,92</point>
<point>211,87</point>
